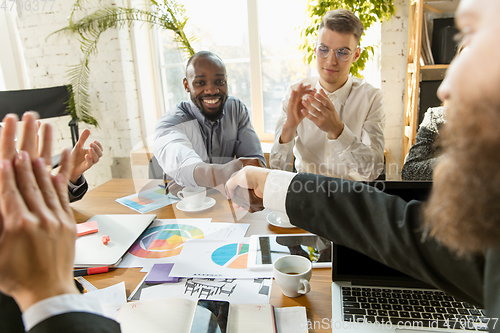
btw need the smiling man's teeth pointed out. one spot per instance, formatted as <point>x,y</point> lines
<point>211,101</point>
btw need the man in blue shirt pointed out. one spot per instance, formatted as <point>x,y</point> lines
<point>201,142</point>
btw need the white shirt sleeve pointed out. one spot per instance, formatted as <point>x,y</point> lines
<point>276,189</point>
<point>363,156</point>
<point>175,153</point>
<point>57,305</point>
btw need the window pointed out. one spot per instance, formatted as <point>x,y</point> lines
<point>260,66</point>
<point>221,27</point>
<point>282,62</point>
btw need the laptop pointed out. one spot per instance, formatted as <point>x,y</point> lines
<point>368,296</point>
<point>122,229</point>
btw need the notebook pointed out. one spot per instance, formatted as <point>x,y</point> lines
<point>122,229</point>
<point>368,296</point>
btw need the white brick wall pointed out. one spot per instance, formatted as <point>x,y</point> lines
<point>394,36</point>
<point>113,85</point>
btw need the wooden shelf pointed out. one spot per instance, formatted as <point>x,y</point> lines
<point>434,67</point>
<point>441,6</point>
<point>433,72</point>
<point>415,73</point>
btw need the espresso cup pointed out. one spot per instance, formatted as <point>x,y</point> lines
<point>192,197</point>
<point>292,273</point>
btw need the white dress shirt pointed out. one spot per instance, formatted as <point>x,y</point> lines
<point>184,138</point>
<point>357,154</point>
<point>57,305</point>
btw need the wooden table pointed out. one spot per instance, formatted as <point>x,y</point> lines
<point>101,200</point>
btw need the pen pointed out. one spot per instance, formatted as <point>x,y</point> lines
<point>90,271</point>
<point>162,186</point>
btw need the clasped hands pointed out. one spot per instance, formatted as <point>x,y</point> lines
<point>306,102</point>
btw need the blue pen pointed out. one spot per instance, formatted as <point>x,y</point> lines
<point>162,186</point>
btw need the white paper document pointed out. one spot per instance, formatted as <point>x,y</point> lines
<point>291,319</point>
<point>111,298</point>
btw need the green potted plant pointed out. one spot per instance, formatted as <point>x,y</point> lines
<point>368,11</point>
<point>166,15</point>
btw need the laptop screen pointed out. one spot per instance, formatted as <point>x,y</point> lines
<point>350,265</point>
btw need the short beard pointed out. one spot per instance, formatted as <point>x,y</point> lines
<point>210,116</point>
<point>463,212</point>
<point>213,116</point>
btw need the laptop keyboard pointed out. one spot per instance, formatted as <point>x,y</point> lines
<point>410,307</point>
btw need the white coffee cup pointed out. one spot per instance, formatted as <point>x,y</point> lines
<point>292,273</point>
<point>193,197</point>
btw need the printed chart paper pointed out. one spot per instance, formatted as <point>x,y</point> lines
<point>165,239</point>
<point>148,200</point>
<point>235,291</point>
<point>206,258</point>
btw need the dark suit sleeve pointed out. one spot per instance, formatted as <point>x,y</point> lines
<point>71,322</point>
<point>384,227</point>
<point>77,322</point>
<point>78,190</point>
<point>10,316</point>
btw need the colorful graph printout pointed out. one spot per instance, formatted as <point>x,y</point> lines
<point>206,258</point>
<point>165,240</point>
<point>231,256</point>
<point>148,200</point>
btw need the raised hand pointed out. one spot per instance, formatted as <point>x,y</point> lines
<point>294,115</point>
<point>37,228</point>
<point>321,111</point>
<point>84,158</point>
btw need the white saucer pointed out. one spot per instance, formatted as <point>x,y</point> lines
<point>208,203</point>
<point>277,221</point>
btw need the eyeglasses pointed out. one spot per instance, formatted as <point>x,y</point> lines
<point>342,54</point>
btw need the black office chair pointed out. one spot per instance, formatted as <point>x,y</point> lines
<point>48,102</point>
<point>155,170</point>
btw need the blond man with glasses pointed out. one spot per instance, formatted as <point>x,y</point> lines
<point>332,124</point>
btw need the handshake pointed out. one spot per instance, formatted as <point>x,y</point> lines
<point>245,188</point>
<point>241,180</point>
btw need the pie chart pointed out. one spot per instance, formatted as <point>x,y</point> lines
<point>165,240</point>
<point>233,255</point>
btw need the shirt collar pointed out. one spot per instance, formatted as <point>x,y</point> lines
<point>341,94</point>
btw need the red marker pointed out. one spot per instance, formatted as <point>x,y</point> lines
<point>90,271</point>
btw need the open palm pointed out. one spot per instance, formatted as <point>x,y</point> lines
<point>84,158</point>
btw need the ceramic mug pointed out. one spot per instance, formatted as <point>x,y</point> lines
<point>292,273</point>
<point>192,197</point>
